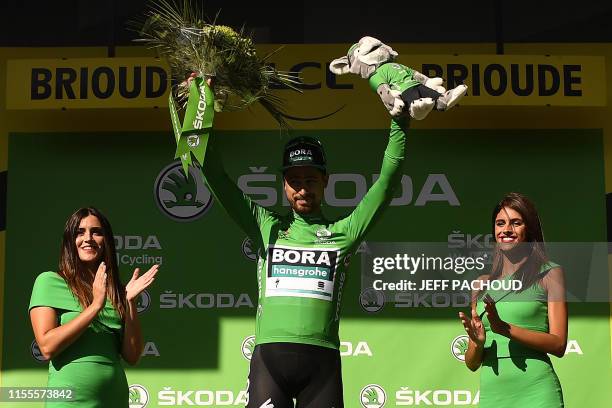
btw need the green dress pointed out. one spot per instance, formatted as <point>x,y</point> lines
<point>91,365</point>
<point>512,374</point>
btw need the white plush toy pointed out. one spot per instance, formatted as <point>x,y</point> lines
<point>400,88</point>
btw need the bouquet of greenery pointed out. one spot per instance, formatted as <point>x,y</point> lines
<point>181,34</point>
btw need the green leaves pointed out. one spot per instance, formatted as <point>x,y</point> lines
<point>191,44</point>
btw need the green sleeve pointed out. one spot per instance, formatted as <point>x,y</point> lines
<point>248,215</point>
<point>51,290</point>
<point>409,72</point>
<point>380,77</point>
<point>392,73</point>
<point>380,194</point>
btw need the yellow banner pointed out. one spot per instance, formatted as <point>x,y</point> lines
<point>521,80</point>
<point>503,80</point>
<point>87,83</point>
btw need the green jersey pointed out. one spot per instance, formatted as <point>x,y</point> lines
<point>302,259</point>
<point>399,77</point>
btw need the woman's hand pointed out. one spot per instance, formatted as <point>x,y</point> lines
<point>133,342</point>
<point>475,330</point>
<point>99,287</point>
<point>53,338</point>
<point>137,284</point>
<point>497,324</point>
<point>473,327</point>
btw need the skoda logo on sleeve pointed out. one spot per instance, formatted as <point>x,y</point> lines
<point>181,198</point>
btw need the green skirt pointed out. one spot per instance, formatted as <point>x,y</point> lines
<point>95,384</point>
<point>526,382</point>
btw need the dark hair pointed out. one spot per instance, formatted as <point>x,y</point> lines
<point>529,272</point>
<point>71,267</point>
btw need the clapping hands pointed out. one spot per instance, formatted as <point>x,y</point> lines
<point>137,284</point>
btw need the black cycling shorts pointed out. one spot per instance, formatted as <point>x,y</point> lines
<point>418,92</point>
<point>281,372</point>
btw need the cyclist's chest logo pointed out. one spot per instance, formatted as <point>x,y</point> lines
<point>324,236</point>
<point>301,272</point>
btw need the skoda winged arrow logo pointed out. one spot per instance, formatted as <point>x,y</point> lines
<point>248,346</point>
<point>247,249</point>
<point>459,347</point>
<point>181,198</point>
<point>138,395</point>
<point>193,141</point>
<point>373,396</point>
<point>323,233</point>
<point>143,302</point>
<point>36,353</point>
<point>372,300</point>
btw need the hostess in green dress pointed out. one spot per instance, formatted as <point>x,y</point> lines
<point>91,365</point>
<point>512,374</point>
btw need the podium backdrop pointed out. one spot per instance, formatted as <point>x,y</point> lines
<point>198,317</point>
